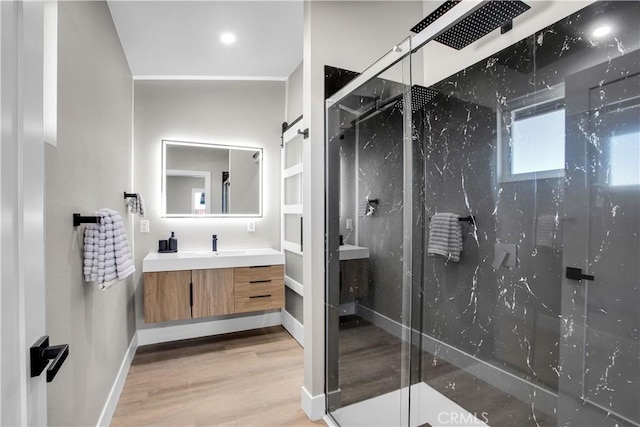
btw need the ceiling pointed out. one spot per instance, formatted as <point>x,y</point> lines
<point>181,39</point>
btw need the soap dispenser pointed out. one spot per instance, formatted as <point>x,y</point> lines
<point>214,242</point>
<point>173,243</point>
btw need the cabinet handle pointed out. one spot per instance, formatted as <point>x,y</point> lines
<point>191,295</point>
<point>260,266</point>
<point>260,296</point>
<point>260,281</point>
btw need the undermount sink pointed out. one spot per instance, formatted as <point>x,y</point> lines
<point>198,260</point>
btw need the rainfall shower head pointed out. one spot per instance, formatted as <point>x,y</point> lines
<point>420,96</point>
<point>494,14</point>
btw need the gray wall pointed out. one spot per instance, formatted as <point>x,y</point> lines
<point>89,169</point>
<point>294,95</point>
<point>223,112</point>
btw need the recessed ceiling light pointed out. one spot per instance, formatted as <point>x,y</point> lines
<point>601,31</point>
<point>227,38</point>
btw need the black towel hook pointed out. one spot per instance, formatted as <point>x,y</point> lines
<point>130,195</point>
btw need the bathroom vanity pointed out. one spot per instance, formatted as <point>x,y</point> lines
<point>354,272</point>
<point>190,285</point>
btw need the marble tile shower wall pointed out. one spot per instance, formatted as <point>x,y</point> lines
<point>380,176</point>
<point>513,318</point>
<point>485,312</point>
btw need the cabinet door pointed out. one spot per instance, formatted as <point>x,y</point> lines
<point>167,296</point>
<point>212,292</point>
<point>354,279</point>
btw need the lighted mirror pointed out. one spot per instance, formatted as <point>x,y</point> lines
<point>211,180</point>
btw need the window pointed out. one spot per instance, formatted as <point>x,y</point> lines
<point>624,160</point>
<point>531,140</point>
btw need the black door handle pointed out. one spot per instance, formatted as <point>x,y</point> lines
<point>576,274</point>
<point>40,354</point>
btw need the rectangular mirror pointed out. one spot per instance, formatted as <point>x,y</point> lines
<point>210,180</point>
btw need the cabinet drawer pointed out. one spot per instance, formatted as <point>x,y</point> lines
<point>253,274</point>
<point>259,296</point>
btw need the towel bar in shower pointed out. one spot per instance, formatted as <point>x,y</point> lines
<point>130,195</point>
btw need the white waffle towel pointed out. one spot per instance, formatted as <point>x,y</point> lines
<point>107,257</point>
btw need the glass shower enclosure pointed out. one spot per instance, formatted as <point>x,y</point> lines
<point>483,256</point>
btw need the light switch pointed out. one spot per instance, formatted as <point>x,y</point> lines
<point>251,226</point>
<point>349,224</point>
<point>144,225</point>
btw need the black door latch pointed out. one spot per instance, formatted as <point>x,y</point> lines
<point>576,274</point>
<point>41,353</point>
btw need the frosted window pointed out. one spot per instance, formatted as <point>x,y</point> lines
<point>625,159</point>
<point>538,143</point>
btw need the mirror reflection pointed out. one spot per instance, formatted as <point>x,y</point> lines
<point>211,180</point>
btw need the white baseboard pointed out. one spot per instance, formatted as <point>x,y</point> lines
<point>204,329</point>
<point>313,406</point>
<point>544,399</point>
<point>294,327</point>
<point>114,395</point>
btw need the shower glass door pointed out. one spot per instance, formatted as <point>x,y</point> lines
<point>600,350</point>
<point>536,320</point>
<point>522,308</point>
<point>369,246</point>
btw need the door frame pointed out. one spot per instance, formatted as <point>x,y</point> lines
<point>23,400</point>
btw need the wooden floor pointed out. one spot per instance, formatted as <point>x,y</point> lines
<point>248,378</point>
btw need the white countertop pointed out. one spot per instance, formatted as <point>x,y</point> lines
<point>348,252</point>
<point>198,260</point>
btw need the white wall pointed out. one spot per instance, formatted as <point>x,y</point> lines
<point>244,113</point>
<point>350,35</point>
<point>89,169</point>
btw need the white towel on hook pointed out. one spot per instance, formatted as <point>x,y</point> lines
<point>136,205</point>
<point>445,236</point>
<point>107,256</point>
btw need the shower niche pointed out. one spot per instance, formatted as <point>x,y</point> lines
<point>536,320</point>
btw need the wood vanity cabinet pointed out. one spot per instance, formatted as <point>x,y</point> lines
<point>176,295</point>
<point>212,292</point>
<point>167,296</point>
